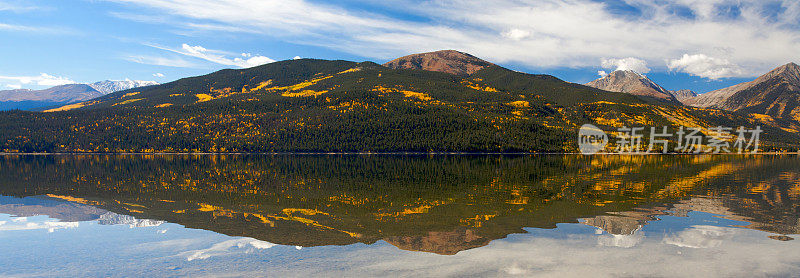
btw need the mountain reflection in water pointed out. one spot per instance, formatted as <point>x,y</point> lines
<point>438,204</point>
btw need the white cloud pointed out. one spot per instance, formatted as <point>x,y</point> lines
<point>630,63</point>
<point>704,66</point>
<point>161,61</point>
<point>621,241</point>
<point>25,225</point>
<point>158,75</point>
<point>37,29</point>
<point>22,28</point>
<point>41,80</point>
<point>516,34</point>
<point>16,8</point>
<point>251,61</point>
<point>602,73</point>
<point>247,60</point>
<point>228,247</point>
<point>297,58</point>
<point>573,33</point>
<point>14,86</point>
<point>701,236</point>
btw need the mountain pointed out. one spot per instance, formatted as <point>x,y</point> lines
<point>110,86</point>
<point>25,99</point>
<point>776,94</point>
<point>310,105</point>
<point>58,95</point>
<point>63,93</point>
<point>631,82</point>
<point>296,79</point>
<point>447,61</point>
<point>683,95</point>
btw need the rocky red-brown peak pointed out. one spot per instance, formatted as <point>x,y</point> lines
<point>442,243</point>
<point>447,61</point>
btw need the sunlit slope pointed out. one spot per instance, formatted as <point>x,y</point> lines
<point>338,106</point>
<point>313,78</point>
<point>552,89</point>
<point>225,82</point>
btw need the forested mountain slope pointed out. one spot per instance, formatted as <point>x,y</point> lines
<point>339,106</point>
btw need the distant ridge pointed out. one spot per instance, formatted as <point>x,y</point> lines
<point>776,94</point>
<point>25,99</point>
<point>683,95</point>
<point>62,93</point>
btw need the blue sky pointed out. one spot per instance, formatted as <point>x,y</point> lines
<point>696,44</point>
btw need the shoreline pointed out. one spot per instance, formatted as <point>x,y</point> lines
<point>397,154</point>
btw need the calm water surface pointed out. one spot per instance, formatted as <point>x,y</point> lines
<point>553,216</point>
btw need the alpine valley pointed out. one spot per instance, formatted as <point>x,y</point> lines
<point>444,101</point>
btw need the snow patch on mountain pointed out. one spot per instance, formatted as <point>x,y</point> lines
<point>110,86</point>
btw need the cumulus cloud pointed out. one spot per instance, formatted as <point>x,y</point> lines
<point>630,63</point>
<point>572,33</point>
<point>621,241</point>
<point>246,60</point>
<point>158,75</point>
<point>704,66</point>
<point>602,73</point>
<point>297,58</point>
<point>228,247</point>
<point>701,236</point>
<point>516,34</point>
<point>42,79</point>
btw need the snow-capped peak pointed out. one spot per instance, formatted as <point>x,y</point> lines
<point>110,86</point>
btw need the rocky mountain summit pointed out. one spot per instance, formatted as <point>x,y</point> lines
<point>447,61</point>
<point>110,86</point>
<point>631,82</point>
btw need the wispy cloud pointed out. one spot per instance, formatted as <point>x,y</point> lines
<point>48,30</point>
<point>22,28</point>
<point>245,60</point>
<point>161,61</point>
<point>42,79</point>
<point>16,7</point>
<point>543,33</point>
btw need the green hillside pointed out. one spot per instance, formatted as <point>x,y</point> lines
<point>339,106</point>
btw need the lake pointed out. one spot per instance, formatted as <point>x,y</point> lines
<point>392,215</point>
